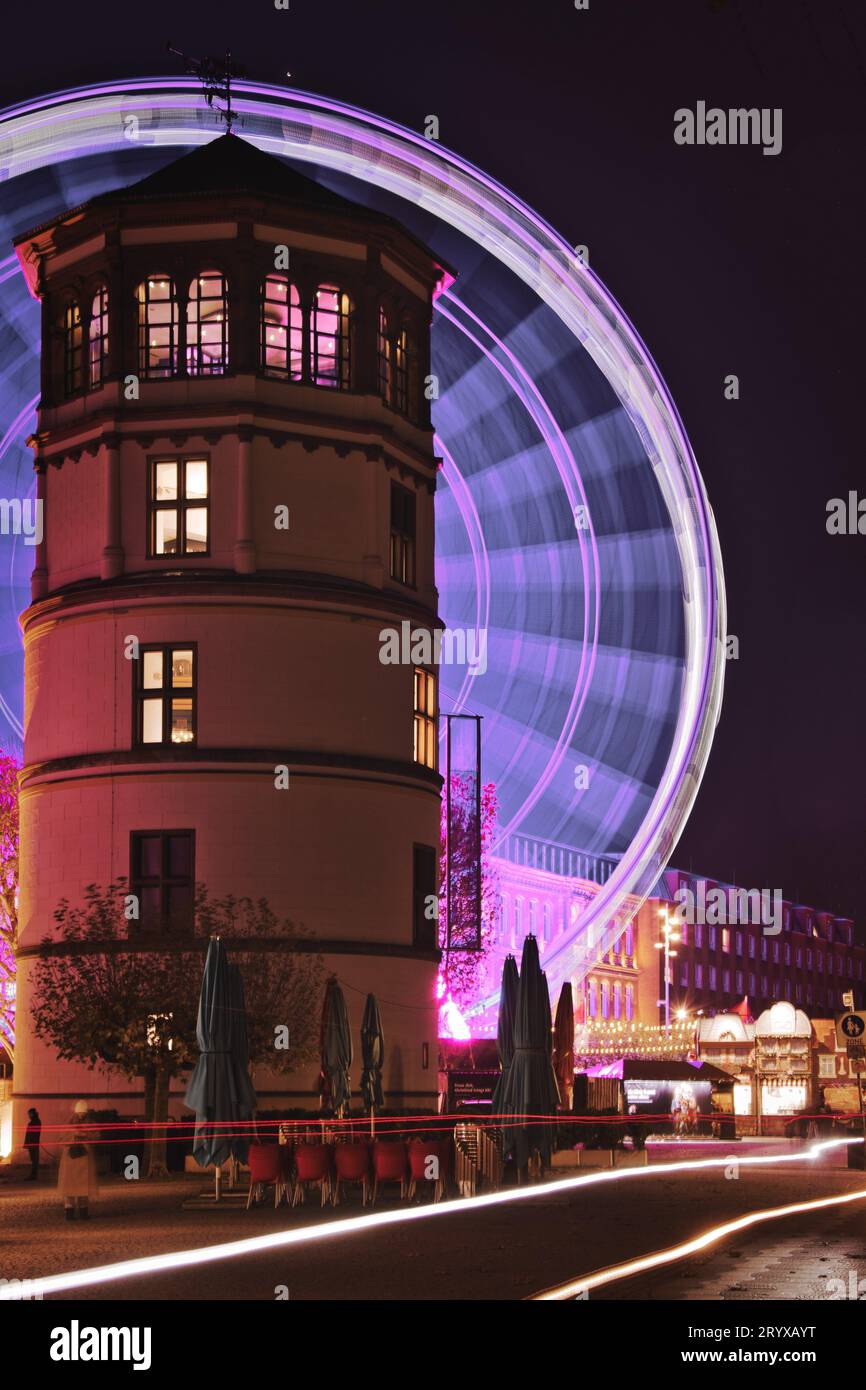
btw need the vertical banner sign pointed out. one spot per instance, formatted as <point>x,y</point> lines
<point>463,832</point>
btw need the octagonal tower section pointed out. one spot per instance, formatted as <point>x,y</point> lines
<point>234,459</point>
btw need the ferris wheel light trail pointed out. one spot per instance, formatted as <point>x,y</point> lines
<point>355,1225</point>
<point>576,1287</point>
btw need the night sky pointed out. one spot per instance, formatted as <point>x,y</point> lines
<point>726,260</point>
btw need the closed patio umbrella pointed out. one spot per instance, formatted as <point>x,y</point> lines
<point>505,1028</point>
<point>563,1045</point>
<point>530,1087</point>
<point>336,1048</point>
<point>220,1090</point>
<point>372,1058</point>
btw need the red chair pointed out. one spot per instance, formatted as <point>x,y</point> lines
<point>352,1164</point>
<point>389,1165</point>
<point>312,1165</point>
<point>429,1161</point>
<point>267,1165</point>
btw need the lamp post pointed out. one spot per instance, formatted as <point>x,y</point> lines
<point>668,937</point>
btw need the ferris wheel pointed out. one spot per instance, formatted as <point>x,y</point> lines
<point>574,536</point>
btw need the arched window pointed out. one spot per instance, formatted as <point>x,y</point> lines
<point>402,362</point>
<point>73,341</point>
<point>98,344</point>
<point>157,327</point>
<point>207,325</point>
<point>330,325</point>
<point>281,329</point>
<point>383,349</point>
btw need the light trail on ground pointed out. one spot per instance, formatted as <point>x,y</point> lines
<point>585,1284</point>
<point>279,1240</point>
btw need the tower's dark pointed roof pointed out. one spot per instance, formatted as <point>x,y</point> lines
<point>228,165</point>
<point>225,166</point>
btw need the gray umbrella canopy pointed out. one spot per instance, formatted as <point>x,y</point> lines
<point>530,1086</point>
<point>505,1027</point>
<point>372,1055</point>
<point>336,1047</point>
<point>220,1090</point>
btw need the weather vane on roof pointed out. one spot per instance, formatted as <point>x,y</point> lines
<point>215,76</point>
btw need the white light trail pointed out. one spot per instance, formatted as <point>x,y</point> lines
<point>574,1287</point>
<point>329,1230</point>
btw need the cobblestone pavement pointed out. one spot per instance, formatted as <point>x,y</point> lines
<point>822,1258</point>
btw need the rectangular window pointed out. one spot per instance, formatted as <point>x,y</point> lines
<point>712,935</point>
<point>403,535</point>
<point>425,741</point>
<point>629,1002</point>
<point>699,975</point>
<point>178,507</point>
<point>424,932</point>
<point>165,695</point>
<point>162,877</point>
<point>713,977</point>
<point>699,934</point>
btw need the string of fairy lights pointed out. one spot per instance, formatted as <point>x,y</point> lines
<point>633,1038</point>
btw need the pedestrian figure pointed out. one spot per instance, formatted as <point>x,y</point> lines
<point>77,1180</point>
<point>32,1138</point>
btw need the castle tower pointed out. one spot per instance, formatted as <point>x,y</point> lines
<point>234,456</point>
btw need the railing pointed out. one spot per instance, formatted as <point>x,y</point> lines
<point>555,858</point>
<point>476,1156</point>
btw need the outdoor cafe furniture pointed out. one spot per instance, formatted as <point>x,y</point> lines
<point>421,1151</point>
<point>352,1164</point>
<point>389,1165</point>
<point>312,1165</point>
<point>267,1164</point>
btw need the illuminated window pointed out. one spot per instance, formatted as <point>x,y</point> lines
<point>165,695</point>
<point>402,373</point>
<point>699,934</point>
<point>330,332</point>
<point>73,342</point>
<point>726,939</point>
<point>629,1002</point>
<point>684,974</point>
<point>738,981</point>
<point>157,327</point>
<point>726,981</point>
<point>383,352</point>
<point>98,338</point>
<point>751,940</point>
<point>617,1001</point>
<point>162,877</point>
<point>699,975</point>
<point>281,329</point>
<point>402,535</point>
<point>545,930</point>
<point>207,324</point>
<point>592,999</point>
<point>425,718</point>
<point>605,999</point>
<point>178,501</point>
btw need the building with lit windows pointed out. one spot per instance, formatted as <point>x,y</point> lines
<point>544,887</point>
<point>234,454</point>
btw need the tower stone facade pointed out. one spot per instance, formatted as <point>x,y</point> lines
<point>234,457</point>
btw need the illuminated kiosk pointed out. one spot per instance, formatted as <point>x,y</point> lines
<point>783,1066</point>
<point>237,470</point>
